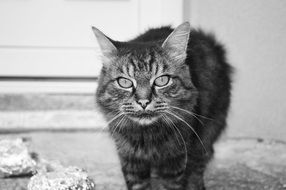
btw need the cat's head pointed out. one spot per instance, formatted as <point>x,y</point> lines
<point>142,82</point>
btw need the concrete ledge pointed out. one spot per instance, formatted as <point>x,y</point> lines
<point>49,112</point>
<point>45,101</point>
<point>51,120</point>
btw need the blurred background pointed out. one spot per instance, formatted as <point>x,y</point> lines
<point>49,58</point>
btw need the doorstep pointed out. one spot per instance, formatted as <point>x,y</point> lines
<point>68,120</point>
<point>36,112</point>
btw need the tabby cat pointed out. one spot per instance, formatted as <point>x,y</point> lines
<point>165,95</point>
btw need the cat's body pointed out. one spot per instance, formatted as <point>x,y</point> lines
<point>166,96</point>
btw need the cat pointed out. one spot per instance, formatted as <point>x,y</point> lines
<point>165,95</point>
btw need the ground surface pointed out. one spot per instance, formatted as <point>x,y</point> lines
<point>239,163</point>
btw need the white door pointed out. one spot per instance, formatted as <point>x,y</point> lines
<point>43,41</point>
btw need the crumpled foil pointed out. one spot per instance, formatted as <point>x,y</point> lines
<point>15,159</point>
<point>70,178</point>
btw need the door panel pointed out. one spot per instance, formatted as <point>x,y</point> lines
<point>65,22</point>
<point>54,38</point>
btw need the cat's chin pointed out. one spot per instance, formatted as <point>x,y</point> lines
<point>144,120</point>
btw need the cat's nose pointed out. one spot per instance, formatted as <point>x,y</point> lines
<point>143,103</point>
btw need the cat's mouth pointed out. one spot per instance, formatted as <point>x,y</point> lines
<point>144,114</point>
<point>144,117</point>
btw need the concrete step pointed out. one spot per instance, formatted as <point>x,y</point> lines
<point>46,101</point>
<point>30,112</point>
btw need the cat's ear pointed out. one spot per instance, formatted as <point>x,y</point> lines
<point>107,47</point>
<point>177,42</point>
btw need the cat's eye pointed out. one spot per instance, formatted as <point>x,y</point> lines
<point>124,82</point>
<point>162,81</point>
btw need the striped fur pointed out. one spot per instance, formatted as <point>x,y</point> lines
<point>164,134</point>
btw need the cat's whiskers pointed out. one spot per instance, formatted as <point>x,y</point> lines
<point>208,118</point>
<point>105,128</point>
<point>202,116</point>
<point>179,118</point>
<point>169,125</point>
<point>122,124</point>
<point>127,103</point>
<point>128,108</point>
<point>118,114</point>
<point>117,124</point>
<point>189,112</point>
<point>161,106</point>
<point>182,138</point>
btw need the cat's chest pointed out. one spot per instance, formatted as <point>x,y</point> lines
<point>148,146</point>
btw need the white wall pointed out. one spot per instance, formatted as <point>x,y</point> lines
<point>254,34</point>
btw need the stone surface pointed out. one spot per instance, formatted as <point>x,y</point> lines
<point>15,158</point>
<point>239,163</point>
<point>61,178</point>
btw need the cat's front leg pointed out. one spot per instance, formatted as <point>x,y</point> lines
<point>136,173</point>
<point>195,181</point>
<point>169,174</point>
<point>195,170</point>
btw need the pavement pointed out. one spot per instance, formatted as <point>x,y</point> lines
<point>239,163</point>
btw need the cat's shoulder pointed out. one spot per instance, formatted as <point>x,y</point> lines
<point>154,34</point>
<point>159,34</point>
